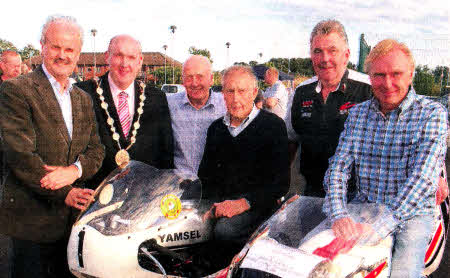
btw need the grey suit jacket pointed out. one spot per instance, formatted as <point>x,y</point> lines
<point>34,134</point>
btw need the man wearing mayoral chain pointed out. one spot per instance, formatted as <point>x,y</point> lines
<point>134,122</point>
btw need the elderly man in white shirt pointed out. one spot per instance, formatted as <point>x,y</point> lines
<point>276,96</point>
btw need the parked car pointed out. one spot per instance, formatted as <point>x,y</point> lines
<point>173,88</point>
<point>216,89</point>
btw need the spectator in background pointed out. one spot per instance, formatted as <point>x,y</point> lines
<point>10,65</point>
<point>276,95</point>
<point>25,68</point>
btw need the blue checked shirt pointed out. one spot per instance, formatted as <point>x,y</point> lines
<point>189,127</point>
<point>395,157</point>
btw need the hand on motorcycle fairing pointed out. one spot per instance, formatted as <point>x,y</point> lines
<point>349,230</point>
<point>227,208</point>
<point>442,191</point>
<point>79,198</point>
<point>348,233</point>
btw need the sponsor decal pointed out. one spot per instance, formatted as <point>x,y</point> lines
<point>307,103</point>
<point>179,236</point>
<point>170,206</point>
<point>376,272</point>
<point>344,107</point>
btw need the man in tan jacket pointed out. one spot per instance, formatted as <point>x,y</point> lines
<point>51,145</point>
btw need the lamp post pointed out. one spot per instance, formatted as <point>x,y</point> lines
<point>228,53</point>
<point>94,32</point>
<point>165,72</point>
<point>31,61</point>
<point>260,56</point>
<point>289,65</point>
<point>172,29</point>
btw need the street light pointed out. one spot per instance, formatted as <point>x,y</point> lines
<point>94,32</point>
<point>172,29</point>
<point>228,53</point>
<point>289,65</point>
<point>165,72</point>
<point>31,57</point>
<point>260,56</point>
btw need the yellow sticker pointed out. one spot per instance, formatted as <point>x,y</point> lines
<point>171,206</point>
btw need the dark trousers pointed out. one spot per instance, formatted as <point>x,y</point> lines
<point>238,228</point>
<point>39,260</point>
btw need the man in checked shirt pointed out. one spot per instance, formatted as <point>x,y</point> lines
<point>394,143</point>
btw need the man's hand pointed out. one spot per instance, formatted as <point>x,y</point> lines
<point>347,229</point>
<point>230,208</point>
<point>59,176</point>
<point>442,191</point>
<point>79,198</point>
<point>270,102</point>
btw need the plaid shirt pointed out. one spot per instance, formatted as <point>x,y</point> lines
<point>395,158</point>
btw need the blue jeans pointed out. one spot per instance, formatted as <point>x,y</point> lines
<point>410,244</point>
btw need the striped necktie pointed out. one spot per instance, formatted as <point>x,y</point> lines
<point>124,113</point>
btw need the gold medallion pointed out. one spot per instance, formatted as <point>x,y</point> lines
<point>122,158</point>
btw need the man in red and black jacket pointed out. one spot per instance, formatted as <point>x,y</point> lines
<point>319,107</point>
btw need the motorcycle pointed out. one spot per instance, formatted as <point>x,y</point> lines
<point>297,241</point>
<point>143,222</point>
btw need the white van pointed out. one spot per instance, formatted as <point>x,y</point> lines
<point>173,88</point>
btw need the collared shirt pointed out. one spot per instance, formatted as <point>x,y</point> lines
<point>351,78</point>
<point>115,91</point>
<point>319,87</point>
<point>278,91</point>
<point>234,131</point>
<point>65,103</point>
<point>394,157</point>
<point>190,126</point>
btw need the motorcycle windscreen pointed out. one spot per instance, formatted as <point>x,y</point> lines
<point>298,242</point>
<point>139,197</point>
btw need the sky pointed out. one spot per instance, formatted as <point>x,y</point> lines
<point>275,28</point>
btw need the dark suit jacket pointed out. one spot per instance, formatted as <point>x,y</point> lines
<point>154,141</point>
<point>34,134</point>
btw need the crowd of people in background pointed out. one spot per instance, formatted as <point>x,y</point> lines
<point>61,138</point>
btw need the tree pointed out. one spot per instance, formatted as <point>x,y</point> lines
<point>204,52</point>
<point>440,74</point>
<point>29,51</point>
<point>6,45</point>
<point>424,81</point>
<point>159,75</point>
<point>350,65</point>
<point>240,64</point>
<point>252,63</point>
<point>217,78</point>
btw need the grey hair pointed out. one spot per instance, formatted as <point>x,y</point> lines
<point>57,19</point>
<point>241,69</point>
<point>329,26</point>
